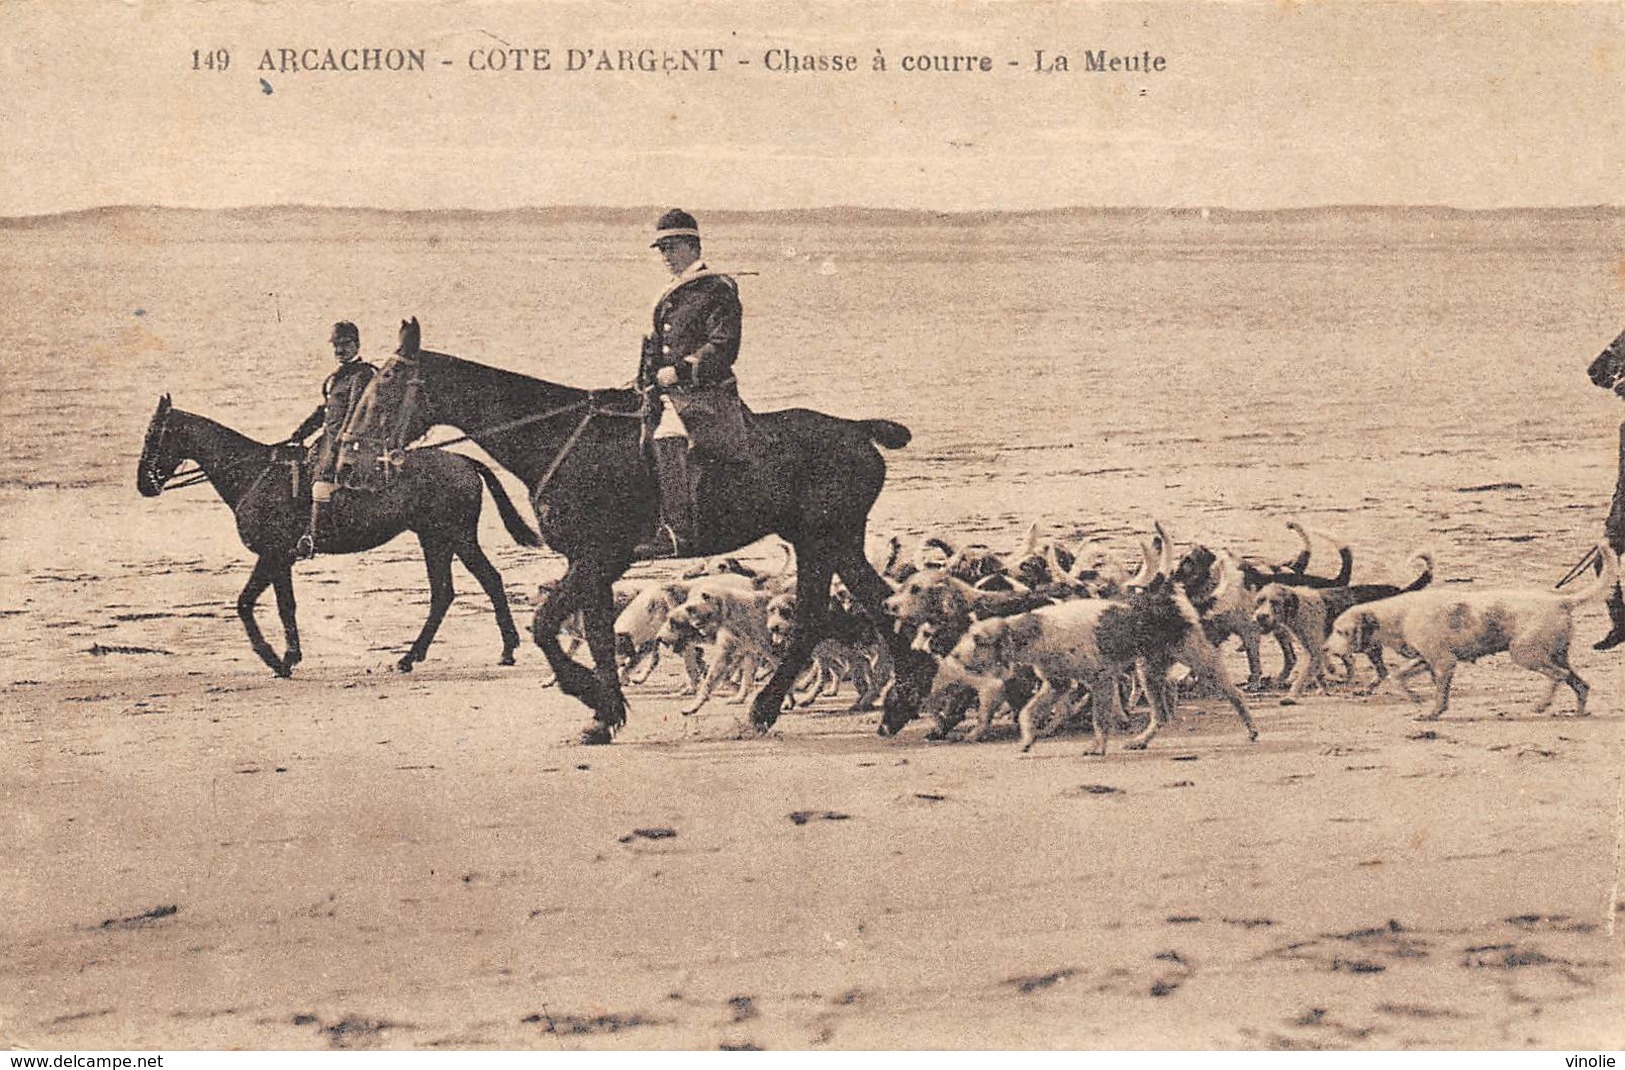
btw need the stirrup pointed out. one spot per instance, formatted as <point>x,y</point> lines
<point>662,545</point>
<point>305,548</point>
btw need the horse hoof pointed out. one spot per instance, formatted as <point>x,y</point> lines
<point>283,672</point>
<point>506,659</point>
<point>404,665</point>
<point>597,735</point>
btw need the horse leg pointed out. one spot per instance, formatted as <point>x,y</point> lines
<point>474,559</point>
<point>598,618</point>
<point>287,610</point>
<point>258,580</point>
<point>573,678</point>
<point>815,566</point>
<point>437,559</point>
<point>912,671</point>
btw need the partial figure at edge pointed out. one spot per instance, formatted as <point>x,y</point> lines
<point>1608,372</point>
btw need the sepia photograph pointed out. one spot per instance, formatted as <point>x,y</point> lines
<point>706,525</point>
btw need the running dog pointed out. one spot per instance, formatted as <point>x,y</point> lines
<point>1445,627</point>
<point>1307,613</point>
<point>638,627</point>
<point>851,647</point>
<point>1093,643</point>
<point>736,621</point>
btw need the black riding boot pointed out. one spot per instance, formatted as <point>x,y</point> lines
<point>1616,615</point>
<point>678,475</point>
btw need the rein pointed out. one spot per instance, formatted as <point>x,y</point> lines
<point>590,403</point>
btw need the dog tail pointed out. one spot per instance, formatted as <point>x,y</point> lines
<point>1345,556</point>
<point>1300,563</point>
<point>887,433</point>
<point>1607,576</point>
<point>1423,578</point>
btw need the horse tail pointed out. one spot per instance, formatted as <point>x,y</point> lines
<point>522,532</point>
<point>887,433</point>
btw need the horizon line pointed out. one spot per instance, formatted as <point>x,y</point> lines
<point>1348,206</point>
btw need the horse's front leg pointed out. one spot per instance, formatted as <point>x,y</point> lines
<point>598,620</point>
<point>815,566</point>
<point>573,678</point>
<point>287,609</point>
<point>262,577</point>
<point>912,670</point>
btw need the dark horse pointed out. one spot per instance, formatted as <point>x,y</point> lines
<point>435,494</point>
<point>813,483</point>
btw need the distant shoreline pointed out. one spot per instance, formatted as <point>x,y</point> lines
<point>640,215</point>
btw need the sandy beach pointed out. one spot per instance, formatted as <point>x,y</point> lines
<point>199,855</point>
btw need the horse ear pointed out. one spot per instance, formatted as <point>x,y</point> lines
<point>164,403</point>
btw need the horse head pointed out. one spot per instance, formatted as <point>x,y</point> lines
<point>1608,370</point>
<point>159,458</point>
<point>411,338</point>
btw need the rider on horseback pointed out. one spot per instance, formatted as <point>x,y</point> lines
<point>340,393</point>
<point>688,361</point>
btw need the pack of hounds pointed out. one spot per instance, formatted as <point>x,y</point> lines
<point>1060,634</point>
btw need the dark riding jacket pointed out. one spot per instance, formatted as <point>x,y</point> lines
<point>340,394</point>
<point>697,324</point>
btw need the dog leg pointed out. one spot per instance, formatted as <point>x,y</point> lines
<point>1314,669</point>
<point>1104,706</point>
<point>1197,651</point>
<point>747,679</point>
<point>1373,655</point>
<point>988,699</point>
<point>1413,668</point>
<point>1255,659</point>
<point>1043,701</point>
<point>1443,673</point>
<point>1289,657</point>
<point>643,663</point>
<point>694,668</point>
<point>1553,665</point>
<point>718,670</point>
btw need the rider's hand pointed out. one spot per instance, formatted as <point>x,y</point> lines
<point>666,377</point>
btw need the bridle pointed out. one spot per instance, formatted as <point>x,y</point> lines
<point>175,480</point>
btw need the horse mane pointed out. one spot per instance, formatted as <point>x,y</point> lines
<point>528,390</point>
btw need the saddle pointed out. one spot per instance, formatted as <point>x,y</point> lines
<point>367,463</point>
<point>372,445</point>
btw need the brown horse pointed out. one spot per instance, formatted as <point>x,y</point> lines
<point>813,482</point>
<point>435,494</point>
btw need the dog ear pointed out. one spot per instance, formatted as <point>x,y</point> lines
<point>1364,626</point>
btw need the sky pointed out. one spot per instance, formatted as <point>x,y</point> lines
<point>1260,105</point>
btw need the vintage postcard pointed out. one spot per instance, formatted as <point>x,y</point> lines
<point>920,525</point>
